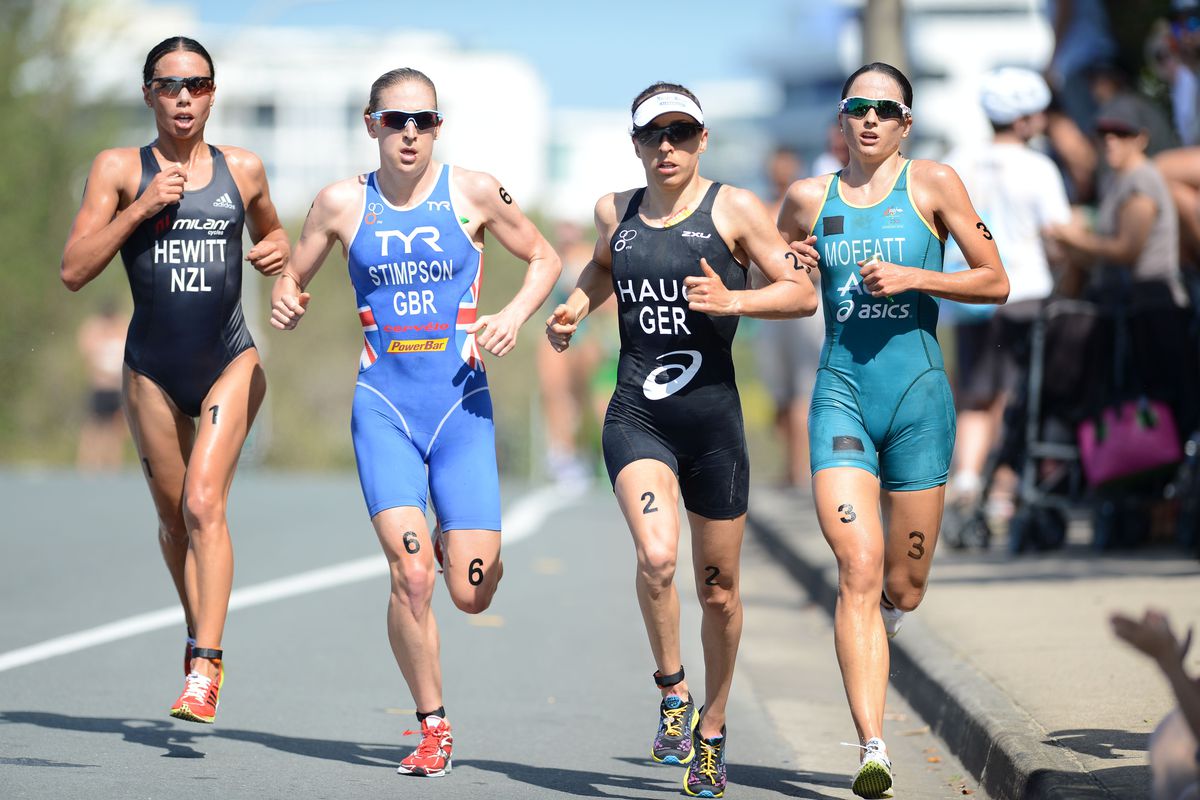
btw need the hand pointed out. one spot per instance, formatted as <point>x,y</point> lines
<point>166,188</point>
<point>1152,635</point>
<point>288,303</point>
<point>882,279</point>
<point>499,332</point>
<point>560,327</point>
<point>808,256</point>
<point>269,256</point>
<point>707,293</point>
<point>1064,234</point>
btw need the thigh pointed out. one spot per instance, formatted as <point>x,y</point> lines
<point>164,437</point>
<point>404,536</point>
<point>463,478</point>
<point>913,522</point>
<point>648,494</point>
<point>716,552</point>
<point>847,503</point>
<point>391,470</point>
<point>917,449</point>
<point>714,477</point>
<point>226,415</point>
<point>471,560</point>
<point>837,432</point>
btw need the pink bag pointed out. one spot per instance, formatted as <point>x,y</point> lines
<point>1127,440</point>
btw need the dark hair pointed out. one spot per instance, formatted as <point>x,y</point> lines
<point>886,69</point>
<point>174,45</point>
<point>662,87</point>
<point>389,79</point>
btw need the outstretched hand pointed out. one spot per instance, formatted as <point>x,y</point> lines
<point>1153,636</point>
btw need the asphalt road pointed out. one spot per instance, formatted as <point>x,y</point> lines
<point>549,691</point>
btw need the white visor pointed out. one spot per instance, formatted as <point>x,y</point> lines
<point>665,103</point>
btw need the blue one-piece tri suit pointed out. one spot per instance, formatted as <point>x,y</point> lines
<point>881,401</point>
<point>422,415</point>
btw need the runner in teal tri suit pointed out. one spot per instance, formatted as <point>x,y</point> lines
<point>881,400</point>
<point>881,421</point>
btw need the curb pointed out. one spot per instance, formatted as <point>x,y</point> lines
<point>1005,749</point>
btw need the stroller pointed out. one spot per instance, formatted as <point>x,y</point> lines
<point>1082,357</point>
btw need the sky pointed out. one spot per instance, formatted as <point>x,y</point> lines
<point>588,53</point>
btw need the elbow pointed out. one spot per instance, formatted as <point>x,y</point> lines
<point>810,305</point>
<point>69,279</point>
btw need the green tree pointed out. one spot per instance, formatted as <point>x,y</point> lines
<point>47,138</point>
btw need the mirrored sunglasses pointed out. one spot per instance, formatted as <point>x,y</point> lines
<point>197,85</point>
<point>858,107</point>
<point>675,133</point>
<point>392,118</point>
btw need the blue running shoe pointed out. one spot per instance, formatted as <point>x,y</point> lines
<point>677,718</point>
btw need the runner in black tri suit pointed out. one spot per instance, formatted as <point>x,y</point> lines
<point>175,210</point>
<point>675,253</point>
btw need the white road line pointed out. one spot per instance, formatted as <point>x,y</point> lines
<point>522,519</point>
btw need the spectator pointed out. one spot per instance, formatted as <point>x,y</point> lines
<point>101,342</point>
<point>1109,83</point>
<point>1174,755</point>
<point>1018,192</point>
<point>1082,37</point>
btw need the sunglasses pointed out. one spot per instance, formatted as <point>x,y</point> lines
<point>391,118</point>
<point>858,107</point>
<point>675,133</point>
<point>197,86</point>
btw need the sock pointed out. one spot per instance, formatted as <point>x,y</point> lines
<point>439,712</point>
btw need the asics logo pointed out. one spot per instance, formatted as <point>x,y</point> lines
<point>696,235</point>
<point>224,201</point>
<point>624,238</point>
<point>653,390</point>
<point>428,233</point>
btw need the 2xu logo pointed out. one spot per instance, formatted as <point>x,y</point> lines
<point>653,390</point>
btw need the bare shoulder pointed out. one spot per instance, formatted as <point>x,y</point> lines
<point>807,193</point>
<point>341,195</point>
<point>475,185</point>
<point>611,207</point>
<point>241,160</point>
<point>116,163</point>
<point>933,175</point>
<point>740,202</point>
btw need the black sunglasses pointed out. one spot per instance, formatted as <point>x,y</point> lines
<point>197,85</point>
<point>858,107</point>
<point>675,133</point>
<point>391,118</point>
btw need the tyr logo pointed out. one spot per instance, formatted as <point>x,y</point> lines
<point>438,205</point>
<point>428,234</point>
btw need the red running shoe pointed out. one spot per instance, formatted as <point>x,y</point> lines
<point>201,694</point>
<point>431,759</point>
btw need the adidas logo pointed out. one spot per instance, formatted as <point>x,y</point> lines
<point>224,201</point>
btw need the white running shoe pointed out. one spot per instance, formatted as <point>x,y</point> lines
<point>874,776</point>
<point>893,618</point>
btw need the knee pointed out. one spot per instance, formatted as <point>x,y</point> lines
<point>720,601</point>
<point>656,567</point>
<point>412,583</point>
<point>476,601</point>
<point>860,574</point>
<point>203,507</point>
<point>905,594</point>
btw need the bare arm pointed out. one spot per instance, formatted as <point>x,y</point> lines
<point>594,286</point>
<point>939,192</point>
<point>100,228</point>
<point>503,218</point>
<point>790,293</point>
<point>324,225</point>
<point>1135,219</point>
<point>1152,635</point>
<point>270,252</point>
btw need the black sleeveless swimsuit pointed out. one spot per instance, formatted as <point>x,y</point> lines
<point>185,272</point>
<point>676,400</point>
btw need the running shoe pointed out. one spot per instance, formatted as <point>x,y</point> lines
<point>198,703</point>
<point>706,775</point>
<point>431,759</point>
<point>893,618</point>
<point>677,719</point>
<point>874,776</point>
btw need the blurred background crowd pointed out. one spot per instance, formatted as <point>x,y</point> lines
<point>1074,123</point>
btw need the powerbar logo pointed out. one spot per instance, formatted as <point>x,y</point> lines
<point>417,346</point>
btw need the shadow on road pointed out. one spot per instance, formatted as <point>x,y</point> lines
<point>177,742</point>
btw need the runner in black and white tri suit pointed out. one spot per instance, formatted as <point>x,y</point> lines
<point>675,253</point>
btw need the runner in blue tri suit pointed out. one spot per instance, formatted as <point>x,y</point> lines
<point>675,254</point>
<point>422,418</point>
<point>175,209</point>
<point>881,421</point>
